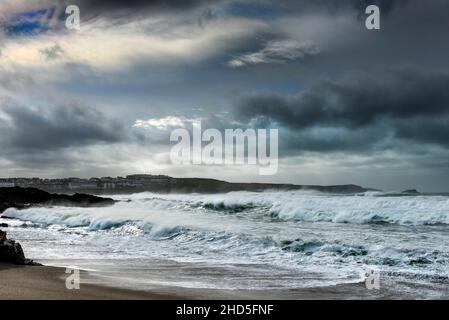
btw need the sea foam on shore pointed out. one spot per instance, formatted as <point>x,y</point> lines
<point>255,241</point>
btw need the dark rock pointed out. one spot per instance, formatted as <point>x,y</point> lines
<point>411,191</point>
<point>4,225</point>
<point>12,252</point>
<point>20,198</point>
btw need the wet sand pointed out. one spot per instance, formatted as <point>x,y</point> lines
<point>48,283</point>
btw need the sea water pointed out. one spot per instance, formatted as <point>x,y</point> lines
<point>249,240</point>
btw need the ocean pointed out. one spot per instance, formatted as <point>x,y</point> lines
<point>249,241</point>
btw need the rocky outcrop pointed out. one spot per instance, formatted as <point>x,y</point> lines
<point>11,251</point>
<point>25,197</point>
<point>411,191</point>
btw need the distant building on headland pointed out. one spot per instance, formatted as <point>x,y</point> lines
<point>83,185</point>
<point>160,183</point>
<point>138,182</point>
<point>6,184</point>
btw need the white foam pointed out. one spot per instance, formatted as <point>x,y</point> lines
<point>286,232</point>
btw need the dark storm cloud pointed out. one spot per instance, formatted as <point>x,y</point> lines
<point>431,130</point>
<point>334,140</point>
<point>360,112</point>
<point>141,3</point>
<point>385,6</point>
<point>136,6</point>
<point>24,128</point>
<point>356,102</point>
<point>40,16</point>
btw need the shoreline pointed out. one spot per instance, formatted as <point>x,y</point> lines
<point>48,283</point>
<point>152,280</point>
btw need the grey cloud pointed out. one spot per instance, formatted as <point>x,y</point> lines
<point>53,52</point>
<point>342,114</point>
<point>323,139</point>
<point>116,10</point>
<point>386,6</point>
<point>332,6</point>
<point>13,81</point>
<point>430,130</point>
<point>101,5</point>
<point>52,128</point>
<point>275,52</point>
<point>119,4</point>
<point>355,102</point>
<point>137,7</point>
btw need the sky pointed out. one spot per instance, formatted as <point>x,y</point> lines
<point>352,105</point>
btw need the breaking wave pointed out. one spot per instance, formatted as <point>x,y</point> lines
<point>369,208</point>
<point>275,229</point>
<point>365,210</point>
<point>285,206</point>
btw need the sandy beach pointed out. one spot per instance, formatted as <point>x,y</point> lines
<point>48,283</point>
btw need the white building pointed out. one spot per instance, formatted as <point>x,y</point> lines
<point>6,184</point>
<point>108,185</point>
<point>82,185</point>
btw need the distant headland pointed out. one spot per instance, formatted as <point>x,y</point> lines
<point>161,184</point>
